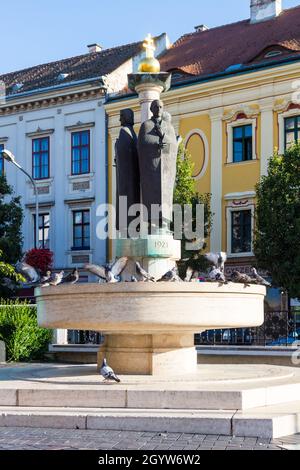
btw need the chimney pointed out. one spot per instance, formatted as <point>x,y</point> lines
<point>201,28</point>
<point>94,48</point>
<point>262,10</point>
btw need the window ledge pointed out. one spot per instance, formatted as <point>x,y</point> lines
<point>242,163</point>
<point>42,182</point>
<point>81,176</point>
<point>241,255</point>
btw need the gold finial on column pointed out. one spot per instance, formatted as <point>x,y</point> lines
<point>149,64</point>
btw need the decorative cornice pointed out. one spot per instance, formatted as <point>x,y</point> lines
<point>244,195</point>
<point>75,202</point>
<point>41,103</point>
<point>80,125</point>
<point>43,205</point>
<point>40,131</point>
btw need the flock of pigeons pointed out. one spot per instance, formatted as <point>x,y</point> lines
<point>111,273</point>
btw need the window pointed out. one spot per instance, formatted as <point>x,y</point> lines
<point>1,160</point>
<point>44,230</point>
<point>291,130</point>
<point>81,230</point>
<point>241,231</point>
<point>80,152</point>
<point>40,158</point>
<point>272,54</point>
<point>242,143</point>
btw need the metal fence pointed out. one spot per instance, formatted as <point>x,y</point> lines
<point>279,329</point>
<point>84,337</point>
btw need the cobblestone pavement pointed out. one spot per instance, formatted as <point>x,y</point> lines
<point>70,439</point>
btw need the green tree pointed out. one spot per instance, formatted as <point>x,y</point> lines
<point>186,193</point>
<point>277,236</point>
<point>9,278</point>
<point>10,223</point>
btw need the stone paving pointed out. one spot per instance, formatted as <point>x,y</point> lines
<point>66,439</point>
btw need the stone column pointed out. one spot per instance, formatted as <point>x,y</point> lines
<point>267,133</point>
<point>147,93</point>
<point>216,178</point>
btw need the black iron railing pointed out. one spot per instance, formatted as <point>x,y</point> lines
<point>279,329</point>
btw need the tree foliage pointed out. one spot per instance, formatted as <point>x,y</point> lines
<point>10,223</point>
<point>277,237</point>
<point>9,278</point>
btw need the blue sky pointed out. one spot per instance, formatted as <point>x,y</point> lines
<point>35,31</point>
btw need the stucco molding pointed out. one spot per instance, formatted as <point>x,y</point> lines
<point>203,137</point>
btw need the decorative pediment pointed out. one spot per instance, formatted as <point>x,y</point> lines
<point>240,112</point>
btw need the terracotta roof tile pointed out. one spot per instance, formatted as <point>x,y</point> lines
<point>81,67</point>
<point>213,51</point>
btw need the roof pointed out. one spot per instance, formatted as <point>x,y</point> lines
<point>237,44</point>
<point>82,67</point>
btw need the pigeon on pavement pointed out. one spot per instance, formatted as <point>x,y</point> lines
<point>108,273</point>
<point>108,373</point>
<point>146,276</point>
<point>260,279</point>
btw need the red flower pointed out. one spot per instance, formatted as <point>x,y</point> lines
<point>40,259</point>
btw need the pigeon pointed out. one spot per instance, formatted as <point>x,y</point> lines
<point>108,273</point>
<point>217,259</point>
<point>146,276</point>
<point>242,278</point>
<point>134,279</point>
<point>108,373</point>
<point>171,276</point>
<point>217,275</point>
<point>45,279</point>
<point>71,278</point>
<point>54,280</point>
<point>28,271</point>
<point>191,275</point>
<point>259,279</point>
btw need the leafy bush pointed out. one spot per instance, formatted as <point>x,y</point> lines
<point>40,259</point>
<point>19,329</point>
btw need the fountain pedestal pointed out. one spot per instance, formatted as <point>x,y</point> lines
<point>158,354</point>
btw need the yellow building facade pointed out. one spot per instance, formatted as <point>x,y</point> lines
<point>207,113</point>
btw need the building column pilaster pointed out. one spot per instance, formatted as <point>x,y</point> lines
<point>216,178</point>
<point>267,133</point>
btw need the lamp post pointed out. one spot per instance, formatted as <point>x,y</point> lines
<point>9,157</point>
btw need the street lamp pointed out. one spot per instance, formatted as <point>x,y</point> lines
<point>9,157</point>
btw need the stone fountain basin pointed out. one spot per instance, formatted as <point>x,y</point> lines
<point>150,308</point>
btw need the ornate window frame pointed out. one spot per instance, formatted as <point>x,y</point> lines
<point>229,131</point>
<point>237,203</point>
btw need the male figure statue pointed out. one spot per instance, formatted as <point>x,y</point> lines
<point>157,151</point>
<point>127,167</point>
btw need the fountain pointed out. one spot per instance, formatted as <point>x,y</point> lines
<point>150,327</point>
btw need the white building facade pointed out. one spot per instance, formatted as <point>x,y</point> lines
<point>58,135</point>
